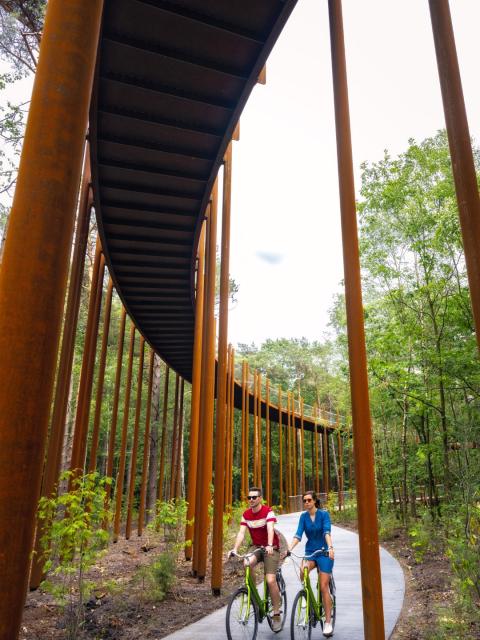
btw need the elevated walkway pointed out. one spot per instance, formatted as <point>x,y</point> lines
<point>349,596</point>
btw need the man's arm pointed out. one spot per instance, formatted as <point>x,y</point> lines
<point>239,538</point>
<point>270,534</point>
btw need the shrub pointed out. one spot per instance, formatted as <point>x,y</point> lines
<point>158,578</point>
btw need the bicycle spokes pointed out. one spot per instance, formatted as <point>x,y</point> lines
<point>301,621</point>
<point>241,617</point>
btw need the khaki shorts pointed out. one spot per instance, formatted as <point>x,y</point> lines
<point>271,563</point>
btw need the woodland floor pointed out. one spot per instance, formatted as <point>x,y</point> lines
<point>125,613</point>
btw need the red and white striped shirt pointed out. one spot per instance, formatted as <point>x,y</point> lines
<point>257,525</point>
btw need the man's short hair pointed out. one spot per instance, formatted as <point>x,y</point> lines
<point>256,489</point>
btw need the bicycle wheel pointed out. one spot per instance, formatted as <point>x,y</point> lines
<point>283,606</point>
<point>242,617</point>
<point>301,620</point>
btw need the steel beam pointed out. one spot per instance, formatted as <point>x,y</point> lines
<point>374,628</point>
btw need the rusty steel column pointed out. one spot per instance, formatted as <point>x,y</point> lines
<point>280,446</point>
<point>227,430</point>
<point>33,279</point>
<point>231,426</point>
<point>133,466</point>
<point>163,444</point>
<point>201,441</point>
<point>59,413</point>
<point>289,453</point>
<point>123,446</point>
<point>463,165</point>
<point>173,452</point>
<point>255,431</point>
<point>247,428</point>
<point>208,388</point>
<point>77,462</point>
<point>178,465</point>
<point>243,492</point>
<point>340,470</point>
<point>259,431</point>
<point>364,460</point>
<point>317,476</point>
<point>116,396</point>
<point>268,457</point>
<point>295,447</point>
<point>100,379</point>
<point>302,445</point>
<point>195,402</point>
<point>146,448</point>
<point>221,413</point>
<point>326,471</point>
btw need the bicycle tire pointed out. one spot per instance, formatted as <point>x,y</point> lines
<point>236,625</point>
<point>283,607</point>
<point>301,620</point>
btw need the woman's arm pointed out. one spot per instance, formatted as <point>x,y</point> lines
<point>327,528</point>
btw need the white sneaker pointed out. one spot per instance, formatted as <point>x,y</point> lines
<point>276,623</point>
<point>327,629</point>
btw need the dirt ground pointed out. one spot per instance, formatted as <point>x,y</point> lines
<point>125,613</point>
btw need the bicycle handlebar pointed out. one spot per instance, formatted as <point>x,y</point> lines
<point>321,551</point>
<point>246,555</point>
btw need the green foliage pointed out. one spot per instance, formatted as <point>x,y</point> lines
<point>171,519</point>
<point>73,539</point>
<point>158,578</point>
<point>463,551</point>
<point>422,537</point>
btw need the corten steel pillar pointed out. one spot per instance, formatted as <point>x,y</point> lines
<point>146,447</point>
<point>340,469</point>
<point>268,456</point>
<point>173,452</point>
<point>205,356</point>
<point>289,453</point>
<point>256,443</point>
<point>364,460</point>
<point>116,396</point>
<point>79,447</point>
<point>232,427</point>
<point>178,464</point>
<point>280,447</point>
<point>317,474</point>
<point>195,402</point>
<point>100,379</point>
<point>163,444</point>
<point>123,446</point>
<point>246,444</point>
<point>244,432</point>
<point>259,437</point>
<point>133,465</point>
<point>208,387</point>
<point>33,279</point>
<point>463,166</point>
<point>227,430</point>
<point>222,380</point>
<point>326,470</point>
<point>53,458</point>
<point>302,445</point>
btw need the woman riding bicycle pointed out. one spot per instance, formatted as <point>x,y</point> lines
<point>315,523</point>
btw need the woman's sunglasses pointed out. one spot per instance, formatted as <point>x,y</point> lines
<point>307,500</point>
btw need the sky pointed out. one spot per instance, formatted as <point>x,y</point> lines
<point>286,251</point>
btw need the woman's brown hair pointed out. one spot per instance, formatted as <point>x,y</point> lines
<point>314,497</point>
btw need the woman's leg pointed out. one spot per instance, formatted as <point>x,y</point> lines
<point>326,599</point>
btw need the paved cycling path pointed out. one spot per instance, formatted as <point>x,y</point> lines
<point>349,624</point>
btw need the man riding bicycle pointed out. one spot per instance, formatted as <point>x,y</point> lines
<point>259,519</point>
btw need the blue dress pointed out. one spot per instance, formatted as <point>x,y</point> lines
<point>315,532</point>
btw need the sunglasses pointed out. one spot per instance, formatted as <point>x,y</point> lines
<point>307,500</point>
<point>252,497</point>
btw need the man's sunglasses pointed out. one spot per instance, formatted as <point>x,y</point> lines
<point>252,497</point>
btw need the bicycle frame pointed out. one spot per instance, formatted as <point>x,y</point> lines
<point>316,603</point>
<point>253,592</point>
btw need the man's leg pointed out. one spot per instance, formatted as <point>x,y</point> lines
<point>274,592</point>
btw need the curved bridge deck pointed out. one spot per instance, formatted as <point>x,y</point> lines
<point>349,624</point>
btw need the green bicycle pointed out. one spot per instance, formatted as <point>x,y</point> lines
<point>307,608</point>
<point>247,608</point>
